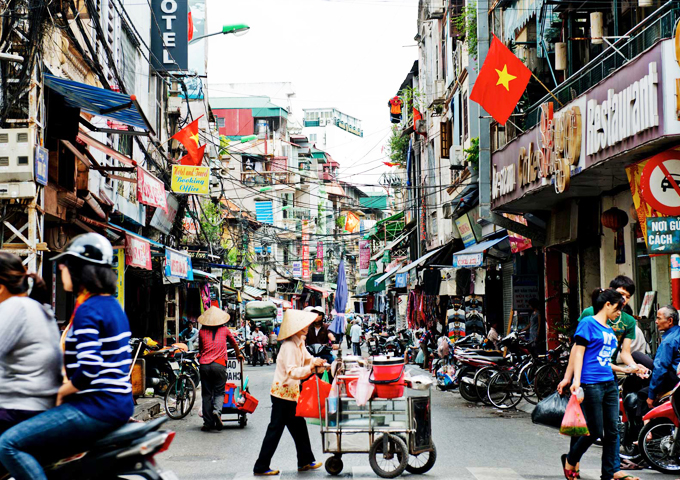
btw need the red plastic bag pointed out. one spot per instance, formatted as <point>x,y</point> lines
<point>308,403</point>
<point>574,423</point>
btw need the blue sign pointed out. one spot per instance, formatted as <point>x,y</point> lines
<point>400,280</point>
<point>178,264</point>
<point>663,234</point>
<point>41,161</point>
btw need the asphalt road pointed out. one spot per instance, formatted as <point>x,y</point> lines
<point>473,443</point>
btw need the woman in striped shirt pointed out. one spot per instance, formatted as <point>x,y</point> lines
<point>97,396</point>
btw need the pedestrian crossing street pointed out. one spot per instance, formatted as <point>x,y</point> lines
<point>472,473</point>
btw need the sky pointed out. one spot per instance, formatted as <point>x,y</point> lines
<point>349,54</point>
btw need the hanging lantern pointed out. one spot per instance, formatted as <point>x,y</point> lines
<point>614,219</point>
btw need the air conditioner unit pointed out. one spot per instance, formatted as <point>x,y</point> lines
<point>457,157</point>
<point>17,163</point>
<point>421,126</point>
<point>436,9</point>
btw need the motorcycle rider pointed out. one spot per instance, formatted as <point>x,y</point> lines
<point>257,336</point>
<point>666,360</point>
<point>96,399</point>
<point>318,333</point>
<point>30,356</point>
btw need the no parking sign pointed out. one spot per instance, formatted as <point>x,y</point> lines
<point>660,183</point>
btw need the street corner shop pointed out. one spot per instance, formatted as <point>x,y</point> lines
<point>578,179</point>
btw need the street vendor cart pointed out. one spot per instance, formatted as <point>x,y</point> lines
<point>395,432</point>
<point>238,402</point>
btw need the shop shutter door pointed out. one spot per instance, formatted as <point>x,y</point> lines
<point>508,270</point>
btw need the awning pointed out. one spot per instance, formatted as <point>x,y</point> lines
<point>96,144</point>
<point>335,189</point>
<point>391,245</point>
<point>209,276</point>
<point>98,101</point>
<point>315,288</point>
<point>370,285</point>
<point>393,226</point>
<point>473,256</point>
<point>420,261</point>
<point>388,274</point>
<point>256,293</point>
<point>129,232</point>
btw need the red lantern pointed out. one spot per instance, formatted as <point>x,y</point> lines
<point>614,219</point>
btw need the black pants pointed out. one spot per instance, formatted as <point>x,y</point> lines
<point>283,415</point>
<point>213,380</point>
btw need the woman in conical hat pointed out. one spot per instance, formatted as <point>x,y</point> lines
<point>293,364</point>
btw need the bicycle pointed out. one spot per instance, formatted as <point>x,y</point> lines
<point>181,394</point>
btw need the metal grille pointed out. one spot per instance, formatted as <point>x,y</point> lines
<point>508,270</point>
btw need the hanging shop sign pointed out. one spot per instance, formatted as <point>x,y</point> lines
<point>524,288</point>
<point>660,182</point>
<point>624,114</point>
<point>468,260</point>
<point>178,264</point>
<point>41,162</point>
<point>663,235</point>
<point>119,268</point>
<point>150,190</point>
<point>518,243</point>
<point>164,220</point>
<point>297,269</point>
<point>137,252</point>
<point>467,235</point>
<point>364,257</point>
<point>319,256</point>
<point>170,35</point>
<point>400,280</point>
<point>190,180</point>
<point>642,208</point>
<point>306,272</point>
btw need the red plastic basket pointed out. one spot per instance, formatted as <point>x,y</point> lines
<point>250,404</point>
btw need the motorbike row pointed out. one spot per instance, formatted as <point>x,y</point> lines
<point>391,343</point>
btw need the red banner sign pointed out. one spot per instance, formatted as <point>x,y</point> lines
<point>150,190</point>
<point>137,252</point>
<point>319,257</point>
<point>305,256</point>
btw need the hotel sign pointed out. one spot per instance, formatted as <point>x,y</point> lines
<point>170,35</point>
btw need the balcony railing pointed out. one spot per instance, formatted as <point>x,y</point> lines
<point>253,178</point>
<point>311,123</point>
<point>659,26</point>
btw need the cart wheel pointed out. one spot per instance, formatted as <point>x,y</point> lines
<point>423,462</point>
<point>388,456</point>
<point>334,465</point>
<point>242,421</point>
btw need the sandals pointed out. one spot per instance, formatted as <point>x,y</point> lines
<point>626,477</point>
<point>269,472</point>
<point>570,474</point>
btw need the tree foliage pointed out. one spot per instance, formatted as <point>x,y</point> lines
<point>466,22</point>
<point>397,147</point>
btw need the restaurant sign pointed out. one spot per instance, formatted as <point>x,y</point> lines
<point>663,235</point>
<point>150,190</point>
<point>178,264</point>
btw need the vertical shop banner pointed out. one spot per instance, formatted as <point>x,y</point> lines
<point>137,252</point>
<point>170,38</point>
<point>297,269</point>
<point>319,257</point>
<point>178,264</point>
<point>400,280</point>
<point>465,230</point>
<point>306,273</point>
<point>150,190</point>
<point>364,257</point>
<point>518,243</point>
<point>642,208</point>
<point>163,220</point>
<point>119,268</point>
<point>190,180</point>
<point>41,164</point>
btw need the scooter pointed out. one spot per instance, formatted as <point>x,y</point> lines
<point>258,353</point>
<point>659,439</point>
<point>125,453</point>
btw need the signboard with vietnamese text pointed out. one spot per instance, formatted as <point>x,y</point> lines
<point>364,257</point>
<point>319,257</point>
<point>178,264</point>
<point>465,230</point>
<point>41,162</point>
<point>150,190</point>
<point>663,235</point>
<point>190,180</point>
<point>400,280</point>
<point>137,252</point>
<point>119,268</point>
<point>468,260</point>
<point>163,220</point>
<point>297,269</point>
<point>306,273</point>
<point>233,371</point>
<point>524,288</point>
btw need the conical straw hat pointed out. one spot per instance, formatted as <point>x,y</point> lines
<point>294,321</point>
<point>213,317</point>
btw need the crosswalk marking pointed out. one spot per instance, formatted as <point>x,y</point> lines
<point>490,473</point>
<point>251,476</point>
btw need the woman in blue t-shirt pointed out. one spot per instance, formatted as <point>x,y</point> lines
<point>595,343</point>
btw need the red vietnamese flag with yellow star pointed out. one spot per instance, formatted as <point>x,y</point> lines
<point>188,137</point>
<point>501,82</point>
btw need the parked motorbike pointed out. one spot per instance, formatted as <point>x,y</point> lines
<point>659,439</point>
<point>125,453</point>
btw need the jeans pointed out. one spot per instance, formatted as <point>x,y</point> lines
<point>601,411</point>
<point>49,436</point>
<point>213,381</point>
<point>283,416</point>
<point>356,348</point>
<point>9,418</point>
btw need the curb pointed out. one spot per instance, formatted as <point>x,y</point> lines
<point>146,409</point>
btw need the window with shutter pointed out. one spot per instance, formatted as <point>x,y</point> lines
<point>445,139</point>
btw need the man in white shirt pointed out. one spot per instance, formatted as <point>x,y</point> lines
<point>355,334</point>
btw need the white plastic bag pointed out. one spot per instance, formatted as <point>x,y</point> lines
<point>365,388</point>
<point>333,397</point>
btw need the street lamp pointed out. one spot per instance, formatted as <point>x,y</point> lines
<point>238,29</point>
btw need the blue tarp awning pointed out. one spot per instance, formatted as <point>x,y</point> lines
<point>98,101</point>
<point>155,244</point>
<point>473,256</point>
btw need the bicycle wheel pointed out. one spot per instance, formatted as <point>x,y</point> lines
<point>504,385</point>
<point>546,381</point>
<point>481,382</point>
<point>466,386</point>
<point>527,377</point>
<point>180,397</point>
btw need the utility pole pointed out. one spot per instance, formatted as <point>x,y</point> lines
<point>484,122</point>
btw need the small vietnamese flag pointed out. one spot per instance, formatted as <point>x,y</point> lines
<point>188,137</point>
<point>501,82</point>
<point>189,160</point>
